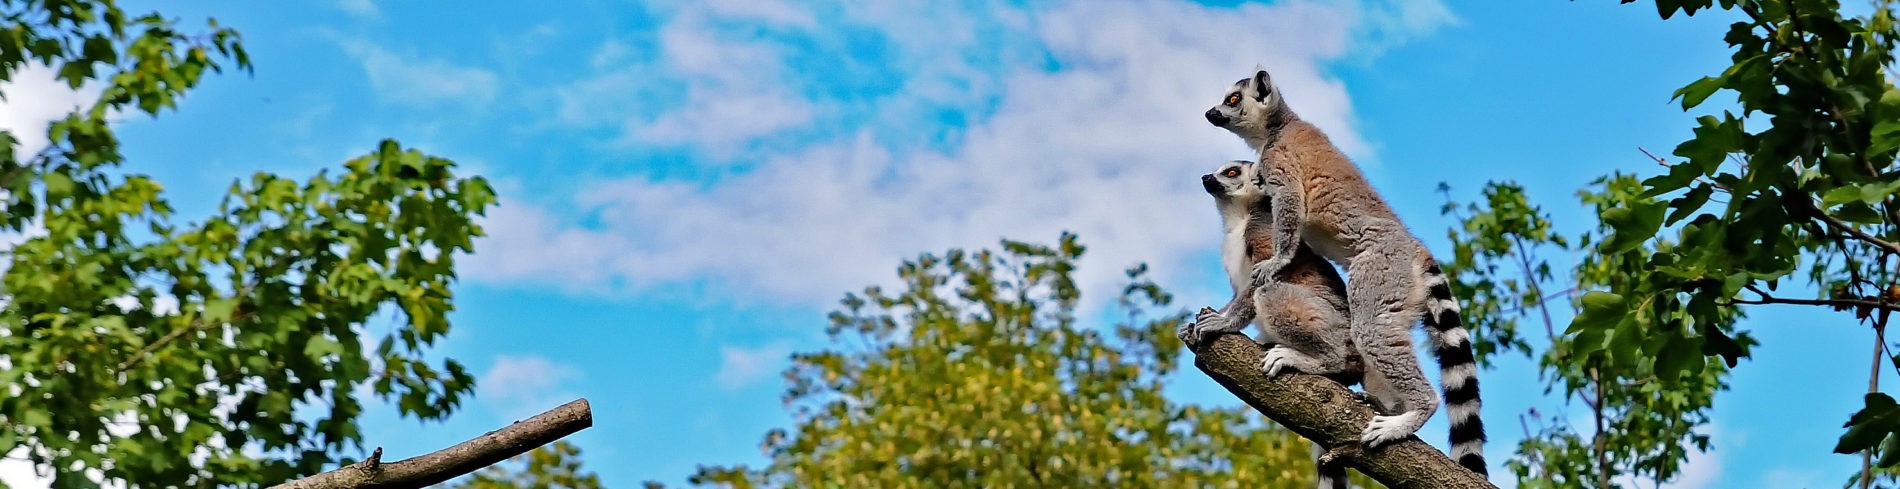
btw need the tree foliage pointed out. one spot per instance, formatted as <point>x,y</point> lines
<point>1643,412</point>
<point>978,373</point>
<point>1795,181</point>
<point>232,349</point>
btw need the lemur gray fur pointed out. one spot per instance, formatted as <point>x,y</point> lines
<point>1302,320</point>
<point>1320,198</point>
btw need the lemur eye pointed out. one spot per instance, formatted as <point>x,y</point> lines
<point>1233,99</point>
<point>1231,173</point>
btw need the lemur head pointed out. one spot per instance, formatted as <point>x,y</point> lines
<point>1235,181</point>
<point>1252,109</point>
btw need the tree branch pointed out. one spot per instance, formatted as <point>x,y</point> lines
<point>1844,227</point>
<point>448,463</point>
<point>1836,303</point>
<point>1326,412</point>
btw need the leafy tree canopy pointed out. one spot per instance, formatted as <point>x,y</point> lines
<point>141,349</point>
<point>978,373</point>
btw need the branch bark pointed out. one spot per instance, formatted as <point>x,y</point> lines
<point>1324,411</point>
<point>463,458</point>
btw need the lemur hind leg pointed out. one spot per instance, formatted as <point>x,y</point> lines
<point>1384,294</point>
<point>1310,336</point>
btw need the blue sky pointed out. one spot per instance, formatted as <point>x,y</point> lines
<point>688,186</point>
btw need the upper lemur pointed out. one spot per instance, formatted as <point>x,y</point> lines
<point>1319,197</point>
<point>1302,320</point>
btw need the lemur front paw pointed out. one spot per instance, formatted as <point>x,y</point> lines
<point>1206,314</point>
<point>1207,324</point>
<point>1265,271</point>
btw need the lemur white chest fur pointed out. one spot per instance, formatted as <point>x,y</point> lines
<point>1234,256</point>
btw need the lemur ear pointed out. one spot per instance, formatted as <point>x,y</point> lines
<point>1262,85</point>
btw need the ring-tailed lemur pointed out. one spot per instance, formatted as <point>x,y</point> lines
<point>1319,197</point>
<point>1303,320</point>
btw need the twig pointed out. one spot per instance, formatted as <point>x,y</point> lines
<point>1665,164</point>
<point>1769,299</point>
<point>1838,225</point>
<point>1552,295</point>
<point>139,357</point>
<point>457,460</point>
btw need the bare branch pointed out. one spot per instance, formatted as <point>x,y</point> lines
<point>1324,411</point>
<point>1665,164</point>
<point>1838,303</point>
<point>448,463</point>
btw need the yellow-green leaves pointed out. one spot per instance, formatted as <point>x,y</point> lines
<point>978,372</point>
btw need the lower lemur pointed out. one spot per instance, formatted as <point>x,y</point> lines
<point>1320,198</point>
<point>1303,320</point>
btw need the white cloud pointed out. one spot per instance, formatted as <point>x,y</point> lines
<point>1109,146</point>
<point>1699,471</point>
<point>34,98</point>
<point>421,82</point>
<point>741,367</point>
<point>732,95</point>
<point>1787,477</point>
<point>363,9</point>
<point>522,386</point>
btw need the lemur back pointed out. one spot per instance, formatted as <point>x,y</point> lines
<point>1320,198</point>
<point>1302,320</point>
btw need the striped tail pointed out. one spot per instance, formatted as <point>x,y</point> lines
<point>1458,371</point>
<point>1330,476</point>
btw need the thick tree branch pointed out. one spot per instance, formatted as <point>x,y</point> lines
<point>1324,411</point>
<point>448,463</point>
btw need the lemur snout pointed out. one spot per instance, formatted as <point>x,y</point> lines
<point>1214,116</point>
<point>1210,183</point>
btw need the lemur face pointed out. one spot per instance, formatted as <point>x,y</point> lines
<point>1245,105</point>
<point>1234,180</point>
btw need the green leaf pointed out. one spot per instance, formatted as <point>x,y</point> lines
<point>1695,92</point>
<point>1689,203</point>
<point>1632,226</point>
<point>1680,357</point>
<point>1886,137</point>
<point>1869,426</point>
<point>1679,176</point>
<point>321,347</point>
<point>1840,195</point>
<point>1889,452</point>
<point>1877,192</point>
<point>1601,310</point>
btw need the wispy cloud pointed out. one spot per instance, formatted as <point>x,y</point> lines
<point>1092,126</point>
<point>741,367</point>
<point>362,9</point>
<point>521,386</point>
<point>420,82</point>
